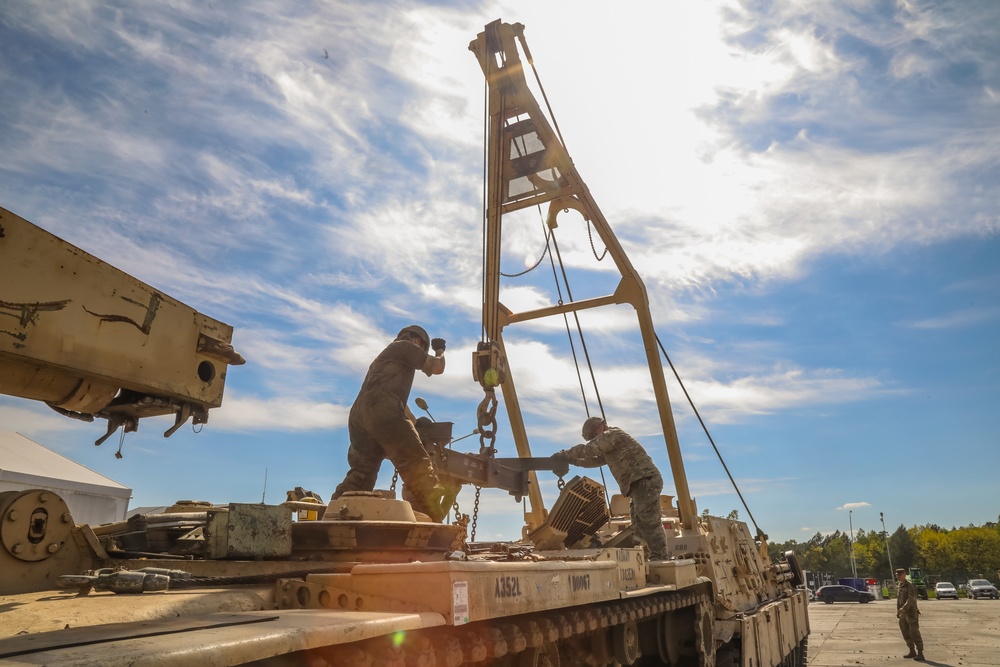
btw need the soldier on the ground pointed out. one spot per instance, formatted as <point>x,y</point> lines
<point>381,425</point>
<point>635,472</point>
<point>909,615</point>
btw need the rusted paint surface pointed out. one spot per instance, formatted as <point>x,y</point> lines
<point>146,326</point>
<point>72,320</point>
<point>27,313</point>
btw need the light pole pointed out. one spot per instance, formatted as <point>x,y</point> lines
<point>854,567</point>
<point>892,573</point>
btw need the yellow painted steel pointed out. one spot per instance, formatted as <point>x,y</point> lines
<point>74,331</point>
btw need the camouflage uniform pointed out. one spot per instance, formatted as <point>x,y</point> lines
<point>379,427</point>
<point>909,616</point>
<point>637,476</point>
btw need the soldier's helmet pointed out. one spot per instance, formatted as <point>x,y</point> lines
<point>414,330</point>
<point>589,430</point>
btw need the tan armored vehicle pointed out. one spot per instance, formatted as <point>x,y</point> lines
<point>362,581</point>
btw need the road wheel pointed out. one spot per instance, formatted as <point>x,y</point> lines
<point>625,638</point>
<point>546,655</point>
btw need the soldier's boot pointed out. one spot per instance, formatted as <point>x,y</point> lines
<point>427,499</point>
<point>434,508</point>
<point>911,654</point>
<point>422,483</point>
<point>920,655</point>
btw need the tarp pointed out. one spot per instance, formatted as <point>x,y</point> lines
<point>92,498</point>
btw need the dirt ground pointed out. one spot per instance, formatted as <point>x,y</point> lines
<point>957,633</point>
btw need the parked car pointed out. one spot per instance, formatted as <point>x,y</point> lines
<point>945,589</point>
<point>831,594</point>
<point>980,588</point>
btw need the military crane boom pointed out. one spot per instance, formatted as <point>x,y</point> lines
<point>528,165</point>
<point>92,341</point>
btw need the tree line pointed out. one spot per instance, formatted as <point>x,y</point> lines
<point>954,555</point>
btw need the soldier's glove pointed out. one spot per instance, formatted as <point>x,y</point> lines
<point>560,461</point>
<point>437,344</point>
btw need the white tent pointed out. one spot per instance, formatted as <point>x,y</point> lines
<point>92,498</point>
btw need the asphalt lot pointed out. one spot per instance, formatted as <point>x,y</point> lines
<point>957,633</point>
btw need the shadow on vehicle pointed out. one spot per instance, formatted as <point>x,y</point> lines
<point>831,594</point>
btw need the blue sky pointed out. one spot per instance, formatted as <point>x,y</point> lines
<point>809,190</point>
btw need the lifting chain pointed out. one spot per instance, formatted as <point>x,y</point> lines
<point>395,478</point>
<point>475,514</point>
<point>561,484</point>
<point>486,415</point>
<point>545,251</point>
<point>590,235</point>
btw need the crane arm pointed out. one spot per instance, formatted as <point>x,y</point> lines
<point>528,165</point>
<point>92,341</point>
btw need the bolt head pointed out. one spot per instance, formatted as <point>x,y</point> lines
<point>52,548</point>
<point>12,515</point>
<point>17,548</point>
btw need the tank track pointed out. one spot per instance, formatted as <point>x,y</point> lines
<point>574,636</point>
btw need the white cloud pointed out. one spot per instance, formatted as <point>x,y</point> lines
<point>962,318</point>
<point>319,201</point>
<point>245,413</point>
<point>854,506</point>
<point>33,420</point>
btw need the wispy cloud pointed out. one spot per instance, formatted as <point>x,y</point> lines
<point>854,506</point>
<point>34,421</point>
<point>311,174</point>
<point>958,319</point>
<point>242,413</point>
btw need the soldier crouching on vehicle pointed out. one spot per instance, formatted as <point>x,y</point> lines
<point>908,615</point>
<point>381,425</point>
<point>635,472</point>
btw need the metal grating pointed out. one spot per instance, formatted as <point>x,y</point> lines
<point>579,512</point>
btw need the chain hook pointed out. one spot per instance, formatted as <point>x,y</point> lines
<point>486,415</point>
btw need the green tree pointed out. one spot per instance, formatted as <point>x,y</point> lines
<point>935,550</point>
<point>837,552</point>
<point>867,556</point>
<point>903,548</point>
<point>976,551</point>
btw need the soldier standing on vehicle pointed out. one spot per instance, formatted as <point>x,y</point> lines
<point>635,472</point>
<point>381,425</point>
<point>908,615</point>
